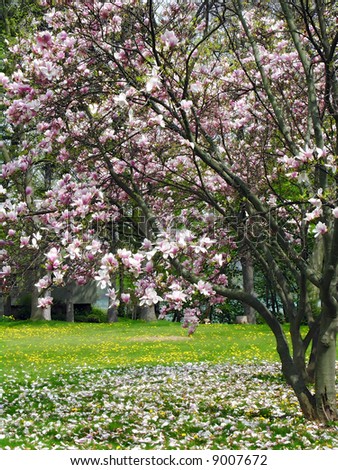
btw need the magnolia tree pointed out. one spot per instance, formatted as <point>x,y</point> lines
<point>212,126</point>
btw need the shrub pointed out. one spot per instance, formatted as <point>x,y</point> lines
<point>89,315</point>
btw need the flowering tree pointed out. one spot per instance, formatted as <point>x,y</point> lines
<point>215,123</point>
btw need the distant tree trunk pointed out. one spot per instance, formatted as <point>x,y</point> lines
<point>112,316</point>
<point>38,313</point>
<point>70,311</point>
<point>7,307</point>
<point>248,284</point>
<point>69,301</point>
<point>147,313</point>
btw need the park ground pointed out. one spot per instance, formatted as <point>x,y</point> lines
<point>135,385</point>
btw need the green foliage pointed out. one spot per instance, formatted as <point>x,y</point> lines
<point>82,313</point>
<point>90,315</point>
<point>18,16</point>
<point>227,312</point>
<point>22,311</point>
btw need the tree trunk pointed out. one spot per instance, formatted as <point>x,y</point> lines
<point>311,368</point>
<point>325,370</point>
<point>70,311</point>
<point>298,348</point>
<point>147,313</point>
<point>305,399</point>
<point>7,305</point>
<point>248,285</point>
<point>112,315</point>
<point>38,313</point>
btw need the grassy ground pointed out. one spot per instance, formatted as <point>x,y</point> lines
<point>41,347</point>
<point>134,385</point>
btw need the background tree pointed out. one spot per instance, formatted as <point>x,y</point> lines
<point>223,135</point>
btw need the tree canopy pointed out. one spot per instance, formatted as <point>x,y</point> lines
<point>210,128</point>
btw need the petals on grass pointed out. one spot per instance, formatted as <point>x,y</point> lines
<point>183,406</point>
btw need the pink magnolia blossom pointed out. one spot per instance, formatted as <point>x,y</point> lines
<point>176,296</point>
<point>44,302</point>
<point>320,229</point>
<point>153,82</point>
<point>109,261</point>
<point>43,283</point>
<point>121,100</point>
<point>186,105</point>
<point>218,259</point>
<point>314,214</point>
<point>204,288</point>
<point>53,259</point>
<point>3,214</point>
<point>157,120</point>
<point>170,39</point>
<point>190,319</point>
<point>150,297</point>
<point>149,267</point>
<point>44,39</point>
<point>37,237</point>
<point>335,212</point>
<point>114,301</point>
<point>24,241</point>
<point>73,250</point>
<point>103,278</point>
<point>94,247</point>
<point>125,298</point>
<point>315,202</point>
<point>6,271</point>
<point>106,10</point>
<point>146,244</point>
<point>123,253</point>
<point>169,249</point>
<point>196,87</point>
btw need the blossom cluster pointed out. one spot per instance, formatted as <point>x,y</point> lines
<point>145,120</point>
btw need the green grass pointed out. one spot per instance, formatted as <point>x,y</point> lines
<point>101,386</point>
<point>42,347</point>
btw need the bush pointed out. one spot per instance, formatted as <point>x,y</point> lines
<point>227,312</point>
<point>22,311</point>
<point>83,314</point>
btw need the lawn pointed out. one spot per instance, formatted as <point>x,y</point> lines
<point>134,385</point>
<point>39,348</point>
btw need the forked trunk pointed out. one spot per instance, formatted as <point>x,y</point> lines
<point>322,405</point>
<point>295,379</point>
<point>325,370</point>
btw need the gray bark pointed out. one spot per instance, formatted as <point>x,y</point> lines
<point>112,315</point>
<point>147,313</point>
<point>248,285</point>
<point>69,311</point>
<point>38,313</point>
<point>7,305</point>
<point>325,387</point>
